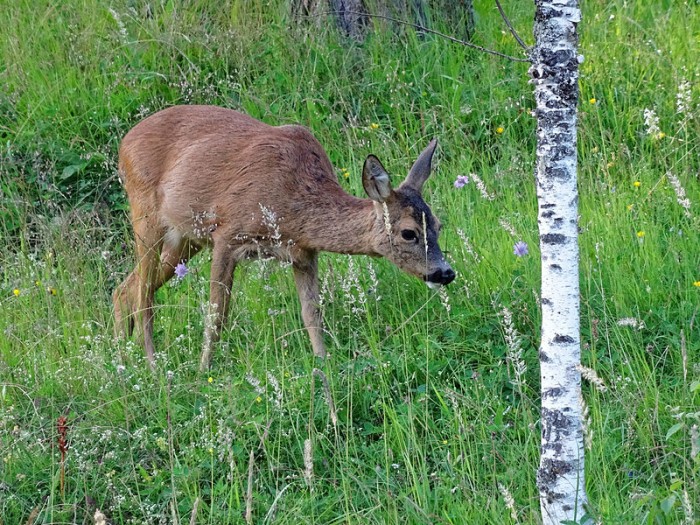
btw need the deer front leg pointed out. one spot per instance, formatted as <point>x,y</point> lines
<point>306,280</point>
<point>222,266</point>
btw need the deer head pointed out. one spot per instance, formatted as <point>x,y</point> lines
<point>410,230</point>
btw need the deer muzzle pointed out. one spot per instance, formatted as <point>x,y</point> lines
<point>441,276</point>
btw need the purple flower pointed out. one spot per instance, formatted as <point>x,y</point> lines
<point>461,181</point>
<point>181,270</point>
<point>520,249</point>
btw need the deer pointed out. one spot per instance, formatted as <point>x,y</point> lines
<point>209,177</point>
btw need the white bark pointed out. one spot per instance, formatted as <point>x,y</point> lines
<point>560,477</point>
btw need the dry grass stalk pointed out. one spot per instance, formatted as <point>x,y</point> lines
<point>329,397</point>
<point>249,491</point>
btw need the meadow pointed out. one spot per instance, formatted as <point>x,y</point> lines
<point>427,410</point>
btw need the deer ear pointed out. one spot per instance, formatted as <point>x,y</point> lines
<point>375,180</point>
<point>421,168</point>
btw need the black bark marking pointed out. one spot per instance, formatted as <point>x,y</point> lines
<point>544,358</point>
<point>552,392</point>
<point>549,205</point>
<point>553,238</point>
<point>547,214</point>
<point>562,339</point>
<point>556,427</point>
<point>546,301</point>
<point>555,267</point>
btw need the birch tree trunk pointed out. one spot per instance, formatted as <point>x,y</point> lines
<point>554,70</point>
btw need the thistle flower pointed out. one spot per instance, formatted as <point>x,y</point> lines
<point>520,249</point>
<point>461,181</point>
<point>181,270</point>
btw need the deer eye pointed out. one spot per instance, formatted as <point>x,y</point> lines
<point>409,235</point>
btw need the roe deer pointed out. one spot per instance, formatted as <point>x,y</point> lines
<point>201,176</point>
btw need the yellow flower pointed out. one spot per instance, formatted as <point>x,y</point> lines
<point>258,399</point>
<point>211,451</point>
<point>592,101</point>
<point>444,442</point>
<point>500,130</point>
<point>37,283</point>
<point>16,292</point>
<point>374,125</point>
<point>637,184</point>
<point>53,291</point>
<point>629,207</point>
<point>640,234</point>
<point>697,284</point>
<point>345,172</point>
<point>660,135</point>
<point>210,380</point>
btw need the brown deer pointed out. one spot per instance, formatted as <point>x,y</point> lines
<point>200,176</point>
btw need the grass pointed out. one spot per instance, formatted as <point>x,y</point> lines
<point>433,423</point>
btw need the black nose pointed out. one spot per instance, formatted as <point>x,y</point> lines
<point>442,276</point>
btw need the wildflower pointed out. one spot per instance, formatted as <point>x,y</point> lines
<point>210,380</point>
<point>374,125</point>
<point>681,197</point>
<point>37,283</point>
<point>520,249</point>
<point>181,270</point>
<point>500,130</point>
<point>444,442</point>
<point>640,234</point>
<point>592,101</point>
<point>16,292</point>
<point>344,172</point>
<point>660,135</point>
<point>651,121</point>
<point>629,207</point>
<point>258,399</point>
<point>636,184</point>
<point>684,99</point>
<point>482,187</point>
<point>507,226</point>
<point>696,284</point>
<point>461,181</point>
<point>632,322</point>
<point>51,290</point>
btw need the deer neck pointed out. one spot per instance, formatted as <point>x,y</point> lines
<point>345,224</point>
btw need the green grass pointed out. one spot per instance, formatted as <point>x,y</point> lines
<point>433,423</point>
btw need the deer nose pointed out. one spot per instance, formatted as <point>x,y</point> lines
<point>442,276</point>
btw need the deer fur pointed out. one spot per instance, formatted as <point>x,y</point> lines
<point>204,176</point>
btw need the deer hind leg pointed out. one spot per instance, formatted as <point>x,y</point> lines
<point>133,299</point>
<point>223,265</point>
<point>306,280</point>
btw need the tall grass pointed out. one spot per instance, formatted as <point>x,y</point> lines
<point>436,397</point>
